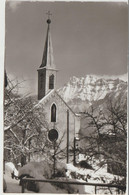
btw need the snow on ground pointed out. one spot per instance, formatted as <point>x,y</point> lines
<point>10,168</point>
<point>77,189</point>
<point>13,185</point>
<point>36,169</point>
<point>49,188</point>
<point>99,175</point>
<point>42,170</point>
<point>94,176</point>
<point>39,169</point>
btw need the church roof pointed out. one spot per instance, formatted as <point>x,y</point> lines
<point>50,95</point>
<point>48,60</point>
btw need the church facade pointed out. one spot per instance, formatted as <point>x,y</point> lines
<point>59,115</point>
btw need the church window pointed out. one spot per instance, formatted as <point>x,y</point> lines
<point>41,81</point>
<point>51,82</point>
<point>53,113</point>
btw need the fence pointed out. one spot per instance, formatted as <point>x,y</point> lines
<point>119,188</point>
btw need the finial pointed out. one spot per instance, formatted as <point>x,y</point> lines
<point>49,14</point>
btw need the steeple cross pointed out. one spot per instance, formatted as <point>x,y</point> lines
<point>49,14</point>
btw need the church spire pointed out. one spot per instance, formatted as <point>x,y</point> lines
<point>47,70</point>
<point>47,59</point>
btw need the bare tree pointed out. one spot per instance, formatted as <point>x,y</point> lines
<point>107,138</point>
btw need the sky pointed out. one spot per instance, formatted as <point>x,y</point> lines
<point>87,38</point>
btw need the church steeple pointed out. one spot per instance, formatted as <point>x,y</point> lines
<point>47,70</point>
<point>47,59</point>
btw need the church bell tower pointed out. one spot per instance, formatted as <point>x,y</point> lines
<point>47,70</point>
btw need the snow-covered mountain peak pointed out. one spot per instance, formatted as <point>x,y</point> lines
<point>91,87</point>
<point>91,79</point>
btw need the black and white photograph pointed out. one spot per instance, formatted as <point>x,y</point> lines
<point>65,97</point>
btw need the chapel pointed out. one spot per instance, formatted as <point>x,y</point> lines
<point>58,113</point>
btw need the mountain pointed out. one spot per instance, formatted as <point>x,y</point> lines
<point>82,92</point>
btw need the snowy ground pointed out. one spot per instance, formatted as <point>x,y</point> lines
<point>13,185</point>
<point>42,171</point>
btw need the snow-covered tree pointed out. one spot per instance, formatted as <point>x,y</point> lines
<point>24,123</point>
<point>26,129</point>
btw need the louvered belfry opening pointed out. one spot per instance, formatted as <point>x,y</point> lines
<point>51,82</point>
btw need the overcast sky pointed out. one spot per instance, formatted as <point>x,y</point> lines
<point>88,38</point>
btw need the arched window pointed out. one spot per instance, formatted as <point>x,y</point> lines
<point>51,82</point>
<point>41,80</point>
<point>53,113</point>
